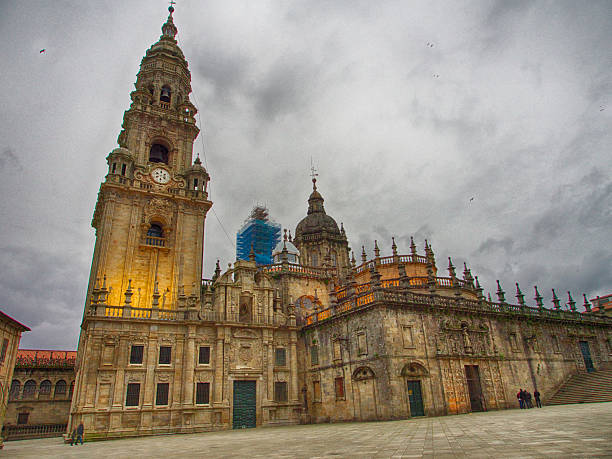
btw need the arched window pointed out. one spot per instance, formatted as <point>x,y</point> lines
<point>15,388</point>
<point>155,230</point>
<point>158,154</point>
<point>45,387</point>
<point>166,94</point>
<point>60,388</point>
<point>29,389</point>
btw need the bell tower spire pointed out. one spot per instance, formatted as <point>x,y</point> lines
<point>151,208</point>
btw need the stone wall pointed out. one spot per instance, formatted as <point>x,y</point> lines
<point>378,350</point>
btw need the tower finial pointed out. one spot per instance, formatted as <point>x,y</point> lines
<point>169,29</point>
<point>314,175</point>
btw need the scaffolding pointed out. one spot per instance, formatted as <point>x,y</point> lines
<point>260,233</point>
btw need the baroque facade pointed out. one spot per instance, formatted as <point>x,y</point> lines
<point>313,337</point>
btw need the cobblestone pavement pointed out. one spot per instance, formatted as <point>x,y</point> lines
<point>559,431</point>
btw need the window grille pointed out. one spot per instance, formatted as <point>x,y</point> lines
<point>165,355</point>
<point>281,357</point>
<point>204,357</point>
<point>280,391</point>
<point>60,388</point>
<point>136,354</point>
<point>314,355</point>
<point>133,394</point>
<point>22,418</point>
<point>161,398</point>
<point>203,393</point>
<point>29,389</point>
<point>45,387</point>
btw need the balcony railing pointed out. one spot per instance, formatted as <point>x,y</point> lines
<point>155,241</point>
<point>22,432</point>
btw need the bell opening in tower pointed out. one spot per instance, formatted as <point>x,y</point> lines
<point>165,94</point>
<point>158,154</point>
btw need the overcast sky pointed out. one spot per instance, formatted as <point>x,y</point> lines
<point>408,110</point>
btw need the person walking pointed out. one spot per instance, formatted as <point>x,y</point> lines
<point>72,437</point>
<point>80,430</point>
<point>536,395</point>
<point>519,395</point>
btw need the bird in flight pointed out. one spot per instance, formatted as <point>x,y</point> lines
<point>42,51</point>
<point>430,45</point>
<point>601,108</point>
<point>436,75</point>
<point>472,198</point>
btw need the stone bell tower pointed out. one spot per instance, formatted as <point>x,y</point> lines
<point>149,218</point>
<point>146,273</point>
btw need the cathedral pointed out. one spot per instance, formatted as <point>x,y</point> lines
<point>313,337</point>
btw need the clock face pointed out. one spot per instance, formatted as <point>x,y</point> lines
<point>160,175</point>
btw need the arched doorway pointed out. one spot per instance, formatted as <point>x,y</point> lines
<point>413,373</point>
<point>364,387</point>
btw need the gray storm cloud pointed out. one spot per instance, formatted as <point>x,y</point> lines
<point>408,109</point>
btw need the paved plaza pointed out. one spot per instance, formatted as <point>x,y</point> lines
<point>558,431</point>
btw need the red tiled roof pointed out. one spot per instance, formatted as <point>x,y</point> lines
<point>46,354</point>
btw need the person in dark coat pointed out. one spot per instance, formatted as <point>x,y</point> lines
<point>72,437</point>
<point>80,430</point>
<point>536,395</point>
<point>519,395</point>
<point>528,399</point>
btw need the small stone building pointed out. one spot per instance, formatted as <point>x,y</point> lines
<point>40,394</point>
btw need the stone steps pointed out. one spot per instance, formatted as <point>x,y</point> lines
<point>585,388</point>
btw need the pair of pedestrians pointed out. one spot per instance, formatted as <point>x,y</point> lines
<point>77,435</point>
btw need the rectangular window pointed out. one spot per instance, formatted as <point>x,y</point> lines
<point>203,393</point>
<point>133,394</point>
<point>280,391</point>
<point>280,357</point>
<point>4,349</point>
<point>362,344</point>
<point>316,391</point>
<point>204,357</point>
<point>314,355</point>
<point>337,350</point>
<point>315,259</point>
<point>161,398</point>
<point>136,354</point>
<point>114,168</point>
<point>165,355</point>
<point>407,336</point>
<point>22,418</point>
<point>339,385</point>
<point>123,169</point>
<point>195,184</point>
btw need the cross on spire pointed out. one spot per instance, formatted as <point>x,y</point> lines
<point>313,173</point>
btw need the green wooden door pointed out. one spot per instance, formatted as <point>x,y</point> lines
<point>244,404</point>
<point>415,398</point>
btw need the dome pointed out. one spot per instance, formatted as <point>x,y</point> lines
<point>317,221</point>
<point>293,254</point>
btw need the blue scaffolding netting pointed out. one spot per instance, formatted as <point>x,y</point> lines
<point>260,233</point>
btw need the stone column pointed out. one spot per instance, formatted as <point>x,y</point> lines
<point>189,363</point>
<point>294,371</point>
<point>269,349</point>
<point>150,362</point>
<point>120,364</point>
<point>218,355</point>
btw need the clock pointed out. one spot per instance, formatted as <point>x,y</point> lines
<point>160,175</point>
